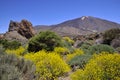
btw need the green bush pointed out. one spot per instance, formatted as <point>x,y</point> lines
<point>118,49</point>
<point>101,67</point>
<point>44,40</point>
<point>68,46</point>
<point>76,52</point>
<point>10,44</point>
<point>100,48</point>
<point>79,60</point>
<point>111,34</point>
<point>2,41</point>
<point>14,68</point>
<point>85,47</point>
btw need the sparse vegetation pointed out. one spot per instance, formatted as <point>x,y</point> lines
<point>48,56</point>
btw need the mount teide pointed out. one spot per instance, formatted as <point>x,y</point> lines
<point>80,26</point>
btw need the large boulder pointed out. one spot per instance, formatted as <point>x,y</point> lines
<point>78,43</point>
<point>24,28</point>
<point>115,43</point>
<point>99,41</point>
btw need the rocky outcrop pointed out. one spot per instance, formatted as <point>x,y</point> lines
<point>1,36</point>
<point>19,31</point>
<point>13,26</point>
<point>77,44</point>
<point>24,28</point>
<point>115,43</point>
<point>14,35</point>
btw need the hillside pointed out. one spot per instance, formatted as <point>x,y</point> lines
<point>78,26</point>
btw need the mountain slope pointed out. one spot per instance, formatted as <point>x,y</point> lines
<point>41,28</point>
<point>83,25</point>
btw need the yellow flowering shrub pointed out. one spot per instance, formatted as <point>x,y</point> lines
<point>18,52</point>
<point>49,66</point>
<point>75,75</point>
<point>61,50</point>
<point>101,67</point>
<point>75,53</point>
<point>68,40</point>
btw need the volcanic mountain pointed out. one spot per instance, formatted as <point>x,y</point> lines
<point>79,26</point>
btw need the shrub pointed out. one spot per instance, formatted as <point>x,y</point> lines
<point>13,68</point>
<point>67,39</point>
<point>100,48</point>
<point>49,66</point>
<point>61,50</point>
<point>118,49</point>
<point>10,44</point>
<point>2,41</point>
<point>2,50</point>
<point>101,67</point>
<point>111,34</point>
<point>77,75</point>
<point>79,60</point>
<point>44,40</point>
<point>85,47</point>
<point>68,46</point>
<point>19,52</point>
<point>9,72</point>
<point>72,55</point>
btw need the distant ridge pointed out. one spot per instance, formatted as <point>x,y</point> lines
<point>80,26</point>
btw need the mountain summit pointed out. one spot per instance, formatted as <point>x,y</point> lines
<point>80,26</point>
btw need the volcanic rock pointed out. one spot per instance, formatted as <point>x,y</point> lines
<point>13,26</point>
<point>24,28</point>
<point>14,35</point>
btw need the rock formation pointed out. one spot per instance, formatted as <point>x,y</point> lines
<point>115,43</point>
<point>13,26</point>
<point>19,31</point>
<point>24,28</point>
<point>14,35</point>
<point>1,36</point>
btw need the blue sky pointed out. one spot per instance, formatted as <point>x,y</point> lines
<point>48,12</point>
